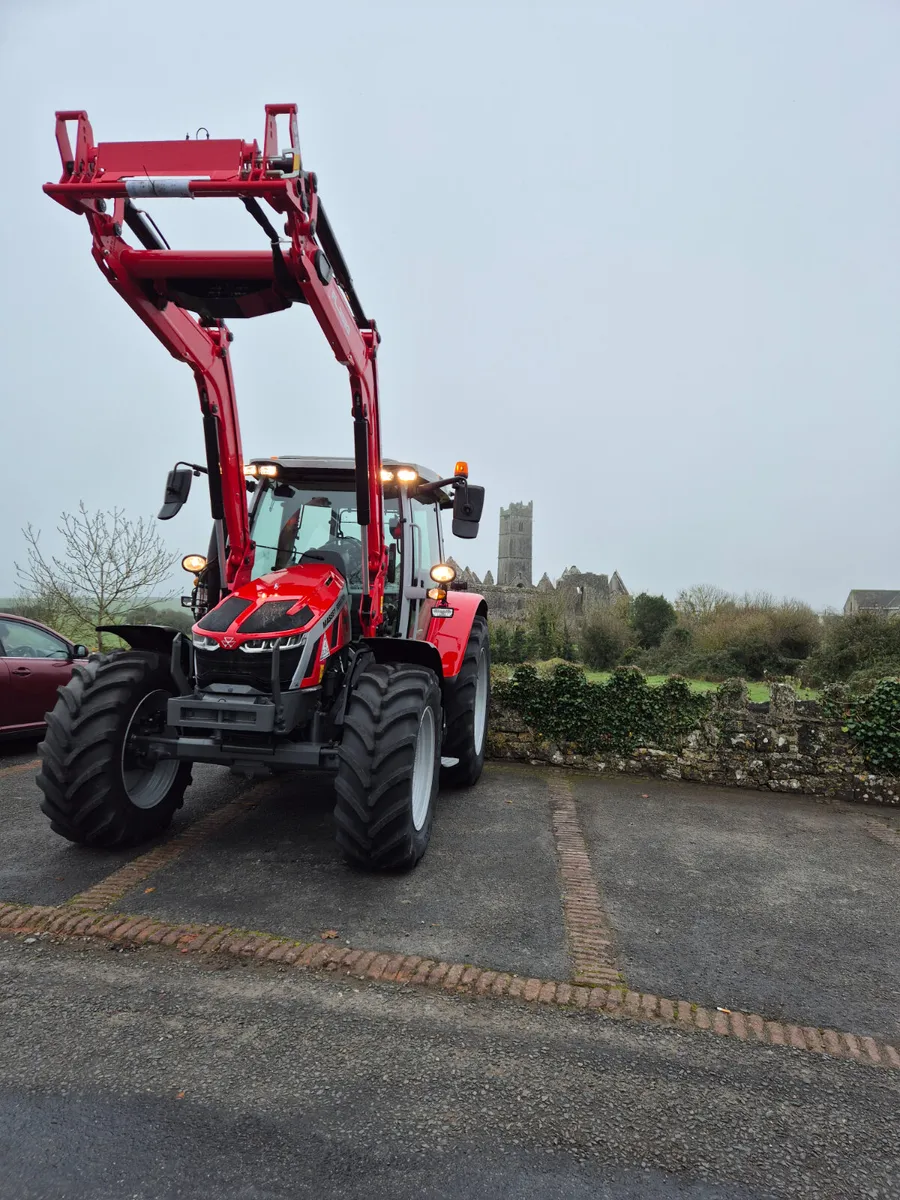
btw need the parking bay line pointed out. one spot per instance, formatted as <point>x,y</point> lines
<point>21,921</point>
<point>116,885</point>
<point>29,766</point>
<point>588,932</point>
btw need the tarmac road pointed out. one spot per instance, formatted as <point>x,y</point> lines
<point>143,1074</point>
<point>148,1075</point>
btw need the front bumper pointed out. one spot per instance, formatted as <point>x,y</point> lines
<point>229,712</point>
<point>277,755</point>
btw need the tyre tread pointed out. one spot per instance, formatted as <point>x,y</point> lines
<point>459,735</point>
<point>79,755</point>
<point>372,823</point>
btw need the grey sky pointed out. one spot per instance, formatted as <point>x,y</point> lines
<point>639,262</point>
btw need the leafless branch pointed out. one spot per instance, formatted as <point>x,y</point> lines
<point>110,564</point>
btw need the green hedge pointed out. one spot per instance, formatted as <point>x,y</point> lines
<point>616,716</point>
<point>872,720</point>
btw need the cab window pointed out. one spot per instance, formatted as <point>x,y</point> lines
<point>290,522</point>
<point>426,541</point>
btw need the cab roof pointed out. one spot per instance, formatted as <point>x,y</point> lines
<point>314,463</point>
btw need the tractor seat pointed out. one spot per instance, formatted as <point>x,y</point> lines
<point>331,557</point>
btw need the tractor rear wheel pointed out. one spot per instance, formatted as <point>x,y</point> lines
<point>388,767</point>
<point>468,707</point>
<point>99,786</point>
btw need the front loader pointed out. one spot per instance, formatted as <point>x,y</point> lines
<point>330,632</point>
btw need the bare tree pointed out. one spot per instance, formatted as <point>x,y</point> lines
<point>110,564</point>
<point>702,600</point>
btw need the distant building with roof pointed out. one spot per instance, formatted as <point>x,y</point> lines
<point>871,601</point>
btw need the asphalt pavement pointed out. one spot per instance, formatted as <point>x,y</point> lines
<point>144,1073</point>
<point>144,1076</point>
<point>785,905</point>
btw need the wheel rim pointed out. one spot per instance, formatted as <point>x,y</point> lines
<point>423,769</point>
<point>147,782</point>
<point>481,701</point>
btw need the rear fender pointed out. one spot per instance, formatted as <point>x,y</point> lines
<point>450,635</point>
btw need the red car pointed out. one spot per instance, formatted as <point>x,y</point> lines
<point>34,661</point>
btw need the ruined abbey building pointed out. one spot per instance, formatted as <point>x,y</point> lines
<point>508,598</point>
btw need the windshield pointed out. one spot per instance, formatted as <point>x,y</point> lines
<point>297,524</point>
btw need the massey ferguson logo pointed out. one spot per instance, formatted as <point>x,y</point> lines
<point>228,642</point>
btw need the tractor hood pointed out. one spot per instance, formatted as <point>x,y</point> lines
<point>284,603</point>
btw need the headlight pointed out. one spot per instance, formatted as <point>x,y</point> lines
<point>194,562</point>
<point>201,642</point>
<point>407,475</point>
<point>263,645</point>
<point>443,573</point>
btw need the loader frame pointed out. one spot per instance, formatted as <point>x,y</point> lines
<point>104,180</point>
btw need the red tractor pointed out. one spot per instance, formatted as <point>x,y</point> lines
<point>329,632</point>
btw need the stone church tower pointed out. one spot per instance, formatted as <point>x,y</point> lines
<point>510,597</point>
<point>514,559</point>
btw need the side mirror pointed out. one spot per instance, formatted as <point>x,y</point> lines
<point>468,504</point>
<point>395,525</point>
<point>178,487</point>
<point>79,651</point>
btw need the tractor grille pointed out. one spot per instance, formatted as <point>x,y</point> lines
<point>234,666</point>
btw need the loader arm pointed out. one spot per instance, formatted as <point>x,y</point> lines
<point>184,297</point>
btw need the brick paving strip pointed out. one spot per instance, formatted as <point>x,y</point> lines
<point>21,921</point>
<point>29,766</point>
<point>883,833</point>
<point>588,932</point>
<point>113,887</point>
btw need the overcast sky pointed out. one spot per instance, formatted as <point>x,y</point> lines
<point>636,261</point>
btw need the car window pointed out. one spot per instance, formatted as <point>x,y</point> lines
<point>27,641</point>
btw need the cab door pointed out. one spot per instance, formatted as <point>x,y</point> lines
<point>425,539</point>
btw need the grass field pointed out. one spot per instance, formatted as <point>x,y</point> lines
<point>759,692</point>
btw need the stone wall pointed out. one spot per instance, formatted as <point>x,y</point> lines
<point>785,745</point>
<point>506,603</point>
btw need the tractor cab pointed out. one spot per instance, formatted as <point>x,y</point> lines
<point>274,654</point>
<point>304,511</point>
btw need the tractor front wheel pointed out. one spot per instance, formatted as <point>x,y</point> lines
<point>388,767</point>
<point>101,785</point>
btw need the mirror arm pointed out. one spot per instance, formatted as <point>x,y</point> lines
<point>454,481</point>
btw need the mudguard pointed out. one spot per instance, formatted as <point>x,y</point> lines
<point>157,638</point>
<point>450,635</point>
